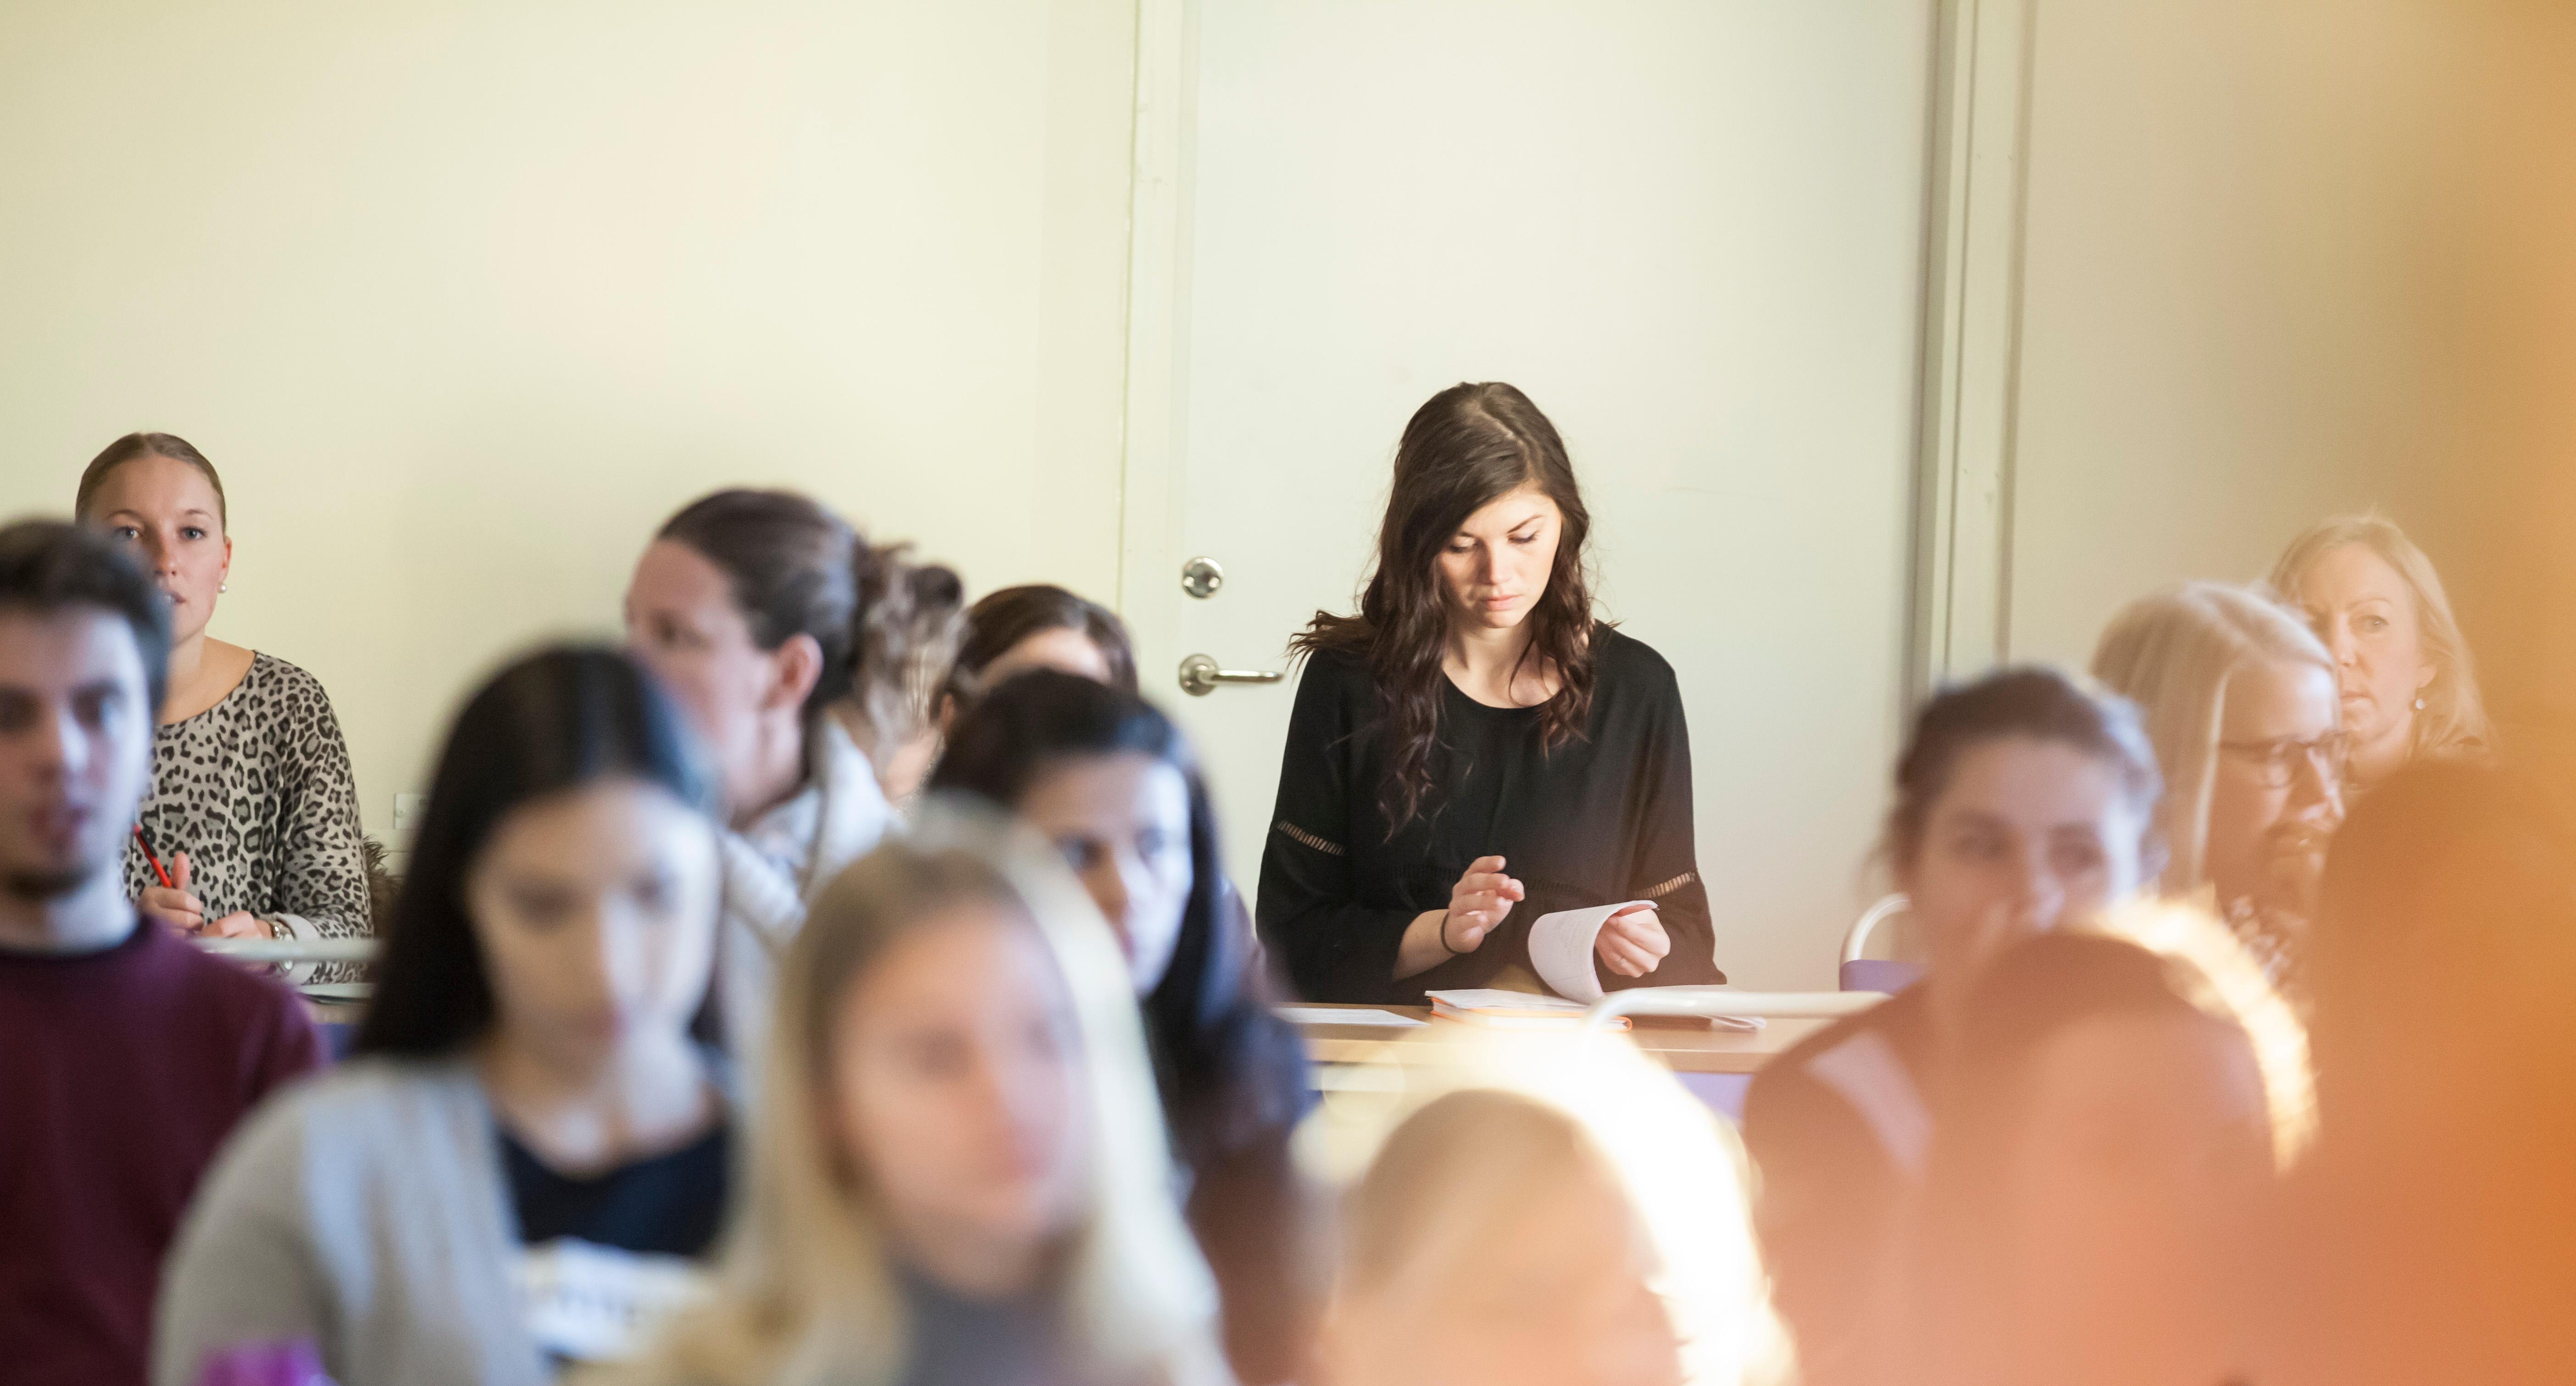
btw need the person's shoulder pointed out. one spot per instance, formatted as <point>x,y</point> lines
<point>285,678</point>
<point>1619,655</point>
<point>1900,1022</point>
<point>1338,666</point>
<point>368,1102</point>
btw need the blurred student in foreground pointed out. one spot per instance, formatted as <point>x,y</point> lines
<point>126,1054</point>
<point>2437,1221</point>
<point>763,613</point>
<point>2024,802</point>
<point>2108,1129</point>
<point>1112,785</point>
<point>528,1157</point>
<point>1568,1214</point>
<point>960,1174</point>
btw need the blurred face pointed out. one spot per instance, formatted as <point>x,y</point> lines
<point>2277,795</point>
<point>2027,835</point>
<point>2142,1154</point>
<point>168,517</point>
<point>1557,1290</point>
<point>1123,824</point>
<point>596,913</point>
<point>1496,566</point>
<point>957,1089</point>
<point>2365,613</point>
<point>75,748</point>
<point>1063,649</point>
<point>683,623</point>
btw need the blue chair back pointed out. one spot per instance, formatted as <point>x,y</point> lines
<point>1880,974</point>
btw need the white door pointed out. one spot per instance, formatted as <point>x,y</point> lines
<point>1692,231</point>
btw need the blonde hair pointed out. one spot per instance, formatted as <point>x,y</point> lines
<point>2215,972</point>
<point>2173,654</point>
<point>1487,1119</point>
<point>2454,719</point>
<point>808,1288</point>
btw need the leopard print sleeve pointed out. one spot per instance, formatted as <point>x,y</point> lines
<point>320,874</point>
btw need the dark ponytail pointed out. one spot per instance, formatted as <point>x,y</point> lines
<point>798,569</point>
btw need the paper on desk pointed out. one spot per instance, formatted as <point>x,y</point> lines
<point>1560,946</point>
<point>1336,1015</point>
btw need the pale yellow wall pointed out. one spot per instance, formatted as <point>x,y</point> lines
<point>2226,307</point>
<point>464,296</point>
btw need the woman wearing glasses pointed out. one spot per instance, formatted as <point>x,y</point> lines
<point>2240,700</point>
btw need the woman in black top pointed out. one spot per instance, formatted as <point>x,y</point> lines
<point>1474,749</point>
<point>1111,783</point>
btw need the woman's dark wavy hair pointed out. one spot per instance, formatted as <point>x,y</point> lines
<point>1467,447</point>
<point>556,720</point>
<point>1002,619</point>
<point>1228,1068</point>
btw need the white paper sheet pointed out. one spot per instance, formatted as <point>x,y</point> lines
<point>1560,946</point>
<point>1335,1015</point>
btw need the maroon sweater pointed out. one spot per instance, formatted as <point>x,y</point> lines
<point>121,1073</point>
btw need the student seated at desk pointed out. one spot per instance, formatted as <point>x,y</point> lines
<point>960,1175</point>
<point>253,810</point>
<point>761,611</point>
<point>528,1157</point>
<point>1476,748</point>
<point>2408,685</point>
<point>1511,1235</point>
<point>126,1054</point>
<point>2024,801</point>
<point>2104,1148</point>
<point>2239,700</point>
<point>1111,783</point>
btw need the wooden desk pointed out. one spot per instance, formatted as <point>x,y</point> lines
<point>1680,1047</point>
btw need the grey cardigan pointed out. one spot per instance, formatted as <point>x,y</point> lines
<point>366,1211</point>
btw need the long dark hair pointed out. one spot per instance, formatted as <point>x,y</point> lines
<point>1227,1066</point>
<point>1001,619</point>
<point>799,569</point>
<point>1467,447</point>
<point>553,721</point>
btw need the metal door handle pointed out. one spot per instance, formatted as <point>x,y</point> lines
<point>1200,676</point>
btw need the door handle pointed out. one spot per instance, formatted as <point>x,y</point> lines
<point>1200,676</point>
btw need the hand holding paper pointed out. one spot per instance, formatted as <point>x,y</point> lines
<point>1628,937</point>
<point>1632,942</point>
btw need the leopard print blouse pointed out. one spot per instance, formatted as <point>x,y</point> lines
<point>257,791</point>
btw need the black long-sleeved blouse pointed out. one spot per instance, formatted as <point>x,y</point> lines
<point>1603,818</point>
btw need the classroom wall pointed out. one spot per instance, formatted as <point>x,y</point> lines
<point>465,296</point>
<point>2224,309</point>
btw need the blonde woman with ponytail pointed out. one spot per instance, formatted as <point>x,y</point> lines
<point>2240,701</point>
<point>763,612</point>
<point>960,1172</point>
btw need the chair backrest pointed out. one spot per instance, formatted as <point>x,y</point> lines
<point>1885,975</point>
<point>1856,942</point>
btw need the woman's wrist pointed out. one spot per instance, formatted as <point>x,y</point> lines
<point>1425,944</point>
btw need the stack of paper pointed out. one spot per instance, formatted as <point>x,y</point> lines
<point>1511,1010</point>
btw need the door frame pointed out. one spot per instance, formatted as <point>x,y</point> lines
<point>1959,607</point>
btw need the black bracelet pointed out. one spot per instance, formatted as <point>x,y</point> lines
<point>1444,937</point>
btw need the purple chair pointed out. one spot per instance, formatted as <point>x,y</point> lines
<point>1861,972</point>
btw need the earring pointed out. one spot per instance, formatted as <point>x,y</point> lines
<point>2419,705</point>
<point>226,586</point>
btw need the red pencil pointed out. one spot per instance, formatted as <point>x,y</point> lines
<point>157,868</point>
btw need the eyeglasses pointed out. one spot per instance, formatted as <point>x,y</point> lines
<point>2276,762</point>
